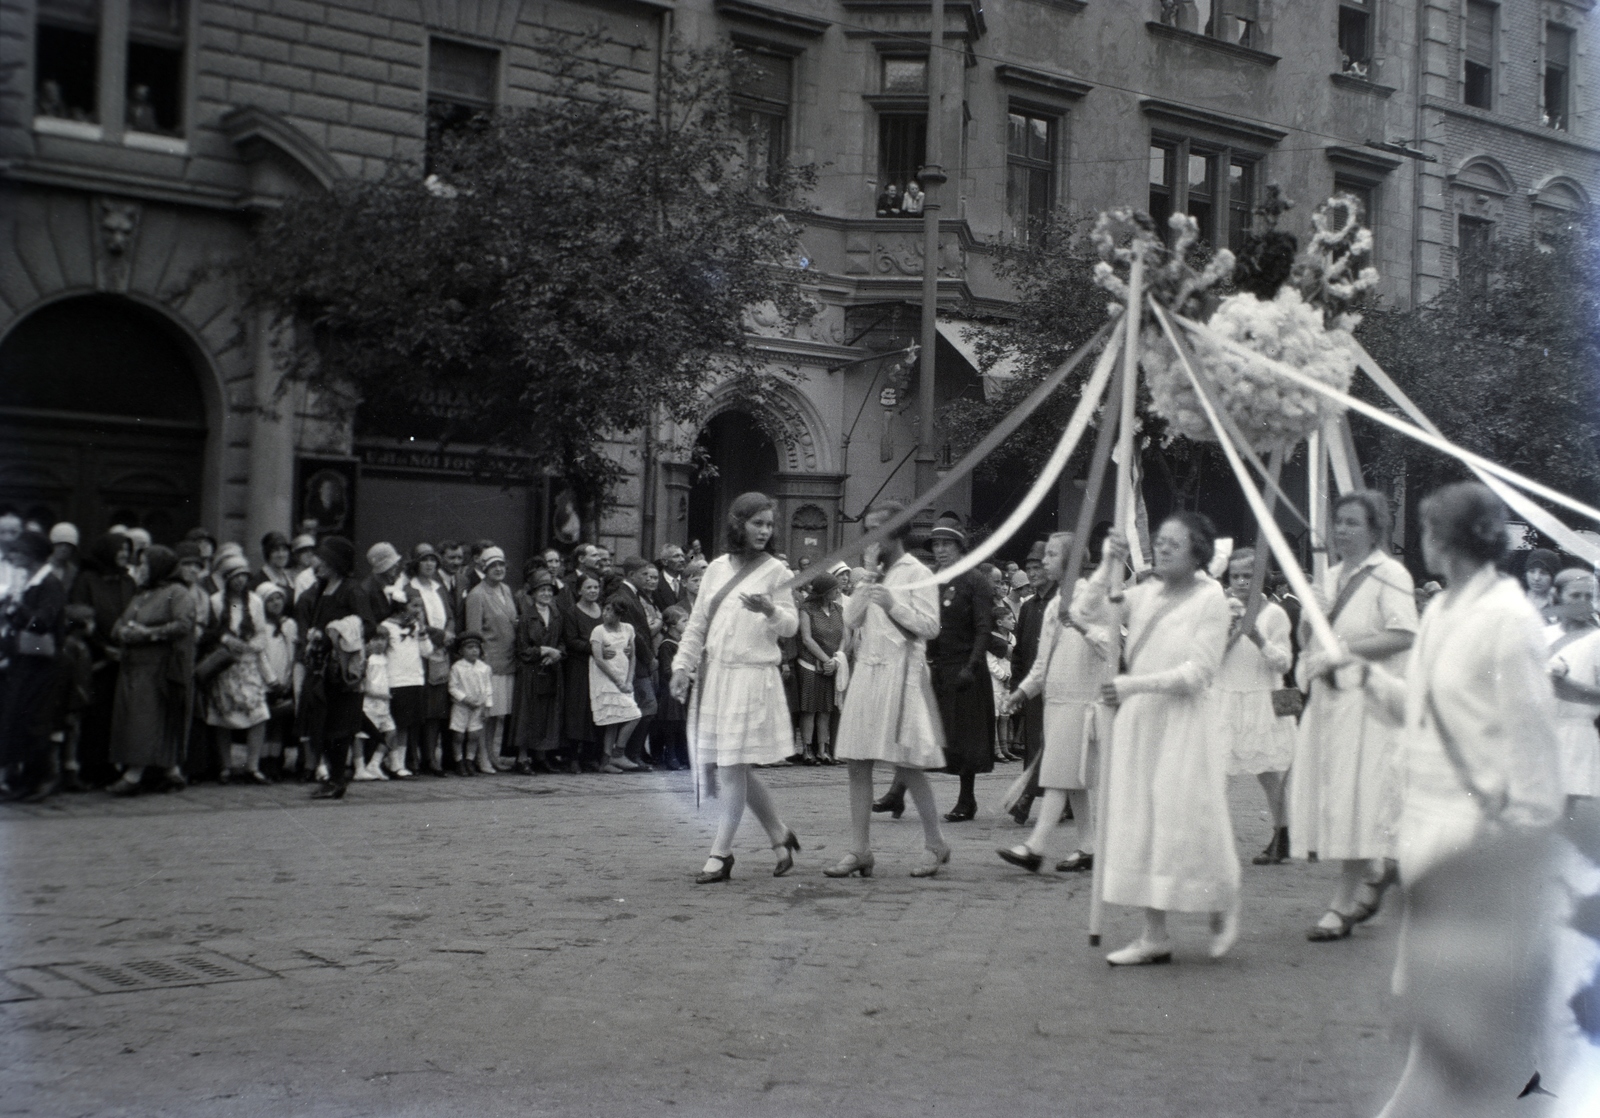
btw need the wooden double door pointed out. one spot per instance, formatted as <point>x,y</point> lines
<point>96,472</point>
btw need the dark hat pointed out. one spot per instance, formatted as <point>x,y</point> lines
<point>273,540</point>
<point>948,528</point>
<point>471,636</point>
<point>422,551</point>
<point>162,562</point>
<point>1544,558</point>
<point>1035,553</point>
<point>822,586</point>
<point>339,553</point>
<point>541,577</point>
<point>188,551</point>
<point>632,564</point>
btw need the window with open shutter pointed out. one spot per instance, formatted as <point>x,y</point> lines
<point>1478,83</point>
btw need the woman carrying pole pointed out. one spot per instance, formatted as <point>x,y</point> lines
<point>1166,840</point>
<point>729,654</point>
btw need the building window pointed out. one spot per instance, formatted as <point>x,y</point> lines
<point>155,66</point>
<point>1030,172</point>
<point>1355,38</point>
<point>905,75</point>
<point>1478,87</point>
<point>1232,21</point>
<point>1241,201</point>
<point>1366,195</point>
<point>1184,179</point>
<point>761,86</point>
<point>1557,75</point>
<point>461,89</point>
<point>1473,236</point>
<point>66,60</point>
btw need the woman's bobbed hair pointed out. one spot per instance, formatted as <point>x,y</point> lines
<point>1377,509</point>
<point>1202,535</point>
<point>745,507</point>
<point>1468,519</point>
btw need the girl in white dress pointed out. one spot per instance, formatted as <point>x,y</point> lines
<point>1344,788</point>
<point>729,656</point>
<point>1069,672</point>
<point>611,669</point>
<point>1261,742</point>
<point>1166,841</point>
<point>1575,670</point>
<point>890,714</point>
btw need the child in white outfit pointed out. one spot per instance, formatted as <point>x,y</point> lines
<point>471,692</point>
<point>409,645</point>
<point>377,726</point>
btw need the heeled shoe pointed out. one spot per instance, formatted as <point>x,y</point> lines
<point>124,787</point>
<point>1276,851</point>
<point>788,848</point>
<point>961,813</point>
<point>329,792</point>
<point>896,805</point>
<point>929,866</point>
<point>1023,809</point>
<point>849,864</point>
<point>1141,954</point>
<point>1366,910</point>
<point>1079,861</point>
<point>1321,933</point>
<point>1021,855</point>
<point>722,873</point>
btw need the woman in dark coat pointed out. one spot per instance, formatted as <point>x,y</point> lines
<point>105,586</point>
<point>34,629</point>
<point>960,668</point>
<point>535,720</point>
<point>330,706</point>
<point>577,625</point>
<point>150,715</point>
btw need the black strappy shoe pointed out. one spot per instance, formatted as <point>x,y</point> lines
<point>723,873</point>
<point>788,848</point>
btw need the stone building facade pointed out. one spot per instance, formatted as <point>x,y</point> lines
<point>140,140</point>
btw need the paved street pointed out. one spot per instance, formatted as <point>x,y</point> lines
<point>524,946</point>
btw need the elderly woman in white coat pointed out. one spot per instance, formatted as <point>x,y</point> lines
<point>1166,842</point>
<point>890,713</point>
<point>1575,671</point>
<point>1481,795</point>
<point>1069,672</point>
<point>729,656</point>
<point>1344,791</point>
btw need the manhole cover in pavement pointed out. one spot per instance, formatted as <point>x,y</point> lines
<point>192,968</point>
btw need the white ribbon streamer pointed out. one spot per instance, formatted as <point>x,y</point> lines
<point>1443,445</point>
<point>1046,480</point>
<point>1269,524</point>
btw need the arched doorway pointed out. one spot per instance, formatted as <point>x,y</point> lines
<point>744,458</point>
<point>102,420</point>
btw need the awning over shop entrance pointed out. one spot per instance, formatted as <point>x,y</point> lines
<point>965,335</point>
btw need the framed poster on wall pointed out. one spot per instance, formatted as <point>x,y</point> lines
<point>325,495</point>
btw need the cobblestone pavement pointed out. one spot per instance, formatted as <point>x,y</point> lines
<point>529,946</point>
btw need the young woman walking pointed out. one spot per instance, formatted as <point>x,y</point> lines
<point>729,654</point>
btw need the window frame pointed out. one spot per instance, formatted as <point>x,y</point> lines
<point>1367,191</point>
<point>114,35</point>
<point>1054,121</point>
<point>1478,281</point>
<point>783,112</point>
<point>1364,66</point>
<point>1223,156</point>
<point>1561,122</point>
<point>1469,81</point>
<point>473,105</point>
<point>894,106</point>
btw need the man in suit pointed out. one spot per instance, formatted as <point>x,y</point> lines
<point>630,595</point>
<point>669,592</point>
<point>1030,621</point>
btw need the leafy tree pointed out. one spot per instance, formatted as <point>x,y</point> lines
<point>570,271</point>
<point>1507,363</point>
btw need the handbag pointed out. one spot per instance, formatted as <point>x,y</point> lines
<point>1288,702</point>
<point>212,663</point>
<point>36,644</point>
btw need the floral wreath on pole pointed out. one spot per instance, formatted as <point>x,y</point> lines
<point>1289,308</point>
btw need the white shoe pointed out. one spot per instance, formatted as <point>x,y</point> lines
<point>1141,954</point>
<point>363,772</point>
<point>1224,931</point>
<point>322,772</point>
<point>375,767</point>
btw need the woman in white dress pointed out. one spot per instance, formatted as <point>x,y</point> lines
<point>1069,672</point>
<point>1344,791</point>
<point>1481,794</point>
<point>1575,670</point>
<point>1261,742</point>
<point>1166,842</point>
<point>611,670</point>
<point>890,713</point>
<point>729,655</point>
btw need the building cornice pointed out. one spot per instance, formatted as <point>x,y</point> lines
<point>773,19</point>
<point>1495,120</point>
<point>1361,85</point>
<point>1041,81</point>
<point>1187,116</point>
<point>103,180</point>
<point>1371,162</point>
<point>1206,42</point>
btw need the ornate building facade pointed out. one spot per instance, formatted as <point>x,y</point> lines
<point>140,139</point>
